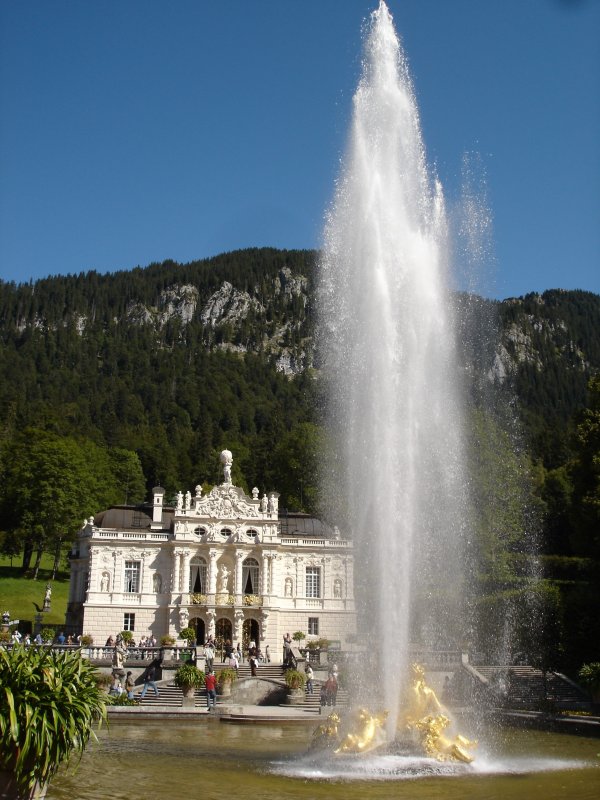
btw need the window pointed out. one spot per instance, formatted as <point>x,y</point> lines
<point>198,575</point>
<point>128,622</point>
<point>132,576</point>
<point>313,581</point>
<point>250,576</point>
<point>313,626</point>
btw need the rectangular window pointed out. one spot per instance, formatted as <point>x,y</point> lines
<point>313,626</point>
<point>128,622</point>
<point>132,576</point>
<point>313,581</point>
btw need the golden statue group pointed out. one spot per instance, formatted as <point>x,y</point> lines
<point>424,717</point>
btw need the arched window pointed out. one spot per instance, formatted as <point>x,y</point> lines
<point>250,576</point>
<point>198,575</point>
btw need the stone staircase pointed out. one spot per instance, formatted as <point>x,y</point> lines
<point>522,687</point>
<point>171,696</point>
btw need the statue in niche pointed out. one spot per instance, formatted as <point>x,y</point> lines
<point>104,582</point>
<point>288,587</point>
<point>227,461</point>
<point>223,580</point>
<point>337,588</point>
<point>179,502</point>
<point>264,504</point>
<point>157,582</point>
<point>184,617</point>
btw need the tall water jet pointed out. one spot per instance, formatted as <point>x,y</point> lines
<point>388,356</point>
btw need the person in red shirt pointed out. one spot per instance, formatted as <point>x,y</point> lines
<point>211,689</point>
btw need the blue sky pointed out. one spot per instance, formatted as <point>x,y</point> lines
<point>133,131</point>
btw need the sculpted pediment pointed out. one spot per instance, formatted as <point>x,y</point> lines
<point>226,502</point>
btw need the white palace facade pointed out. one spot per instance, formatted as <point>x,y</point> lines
<point>226,564</point>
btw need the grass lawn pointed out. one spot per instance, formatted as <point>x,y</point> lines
<point>18,594</point>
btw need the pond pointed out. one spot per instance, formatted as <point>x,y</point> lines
<point>217,761</point>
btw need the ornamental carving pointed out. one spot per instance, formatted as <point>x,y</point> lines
<point>226,502</point>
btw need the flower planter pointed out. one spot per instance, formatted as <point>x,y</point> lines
<point>295,697</point>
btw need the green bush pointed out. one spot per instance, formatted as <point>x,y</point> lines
<point>295,679</point>
<point>188,634</point>
<point>49,702</point>
<point>126,636</point>
<point>225,675</point>
<point>189,675</point>
<point>167,641</point>
<point>589,676</point>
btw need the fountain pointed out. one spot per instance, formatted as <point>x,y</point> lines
<point>388,355</point>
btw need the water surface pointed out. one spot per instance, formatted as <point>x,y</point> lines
<point>216,761</point>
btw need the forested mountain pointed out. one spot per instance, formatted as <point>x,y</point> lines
<point>149,373</point>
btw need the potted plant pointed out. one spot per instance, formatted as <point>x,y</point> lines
<point>295,681</point>
<point>299,636</point>
<point>167,641</point>
<point>589,676</point>
<point>49,702</point>
<point>225,678</point>
<point>189,678</point>
<point>103,681</point>
<point>127,637</point>
<point>188,635</point>
<point>86,640</point>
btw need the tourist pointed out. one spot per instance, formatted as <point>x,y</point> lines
<point>38,639</point>
<point>211,689</point>
<point>116,690</point>
<point>254,665</point>
<point>309,677</point>
<point>27,640</point>
<point>228,648</point>
<point>329,691</point>
<point>110,642</point>
<point>238,652</point>
<point>233,661</point>
<point>150,679</point>
<point>129,685</point>
<point>209,655</point>
<point>267,654</point>
<point>60,639</point>
<point>69,639</point>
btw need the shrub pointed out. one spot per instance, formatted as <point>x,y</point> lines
<point>189,675</point>
<point>188,634</point>
<point>167,641</point>
<point>225,675</point>
<point>589,676</point>
<point>295,679</point>
<point>86,640</point>
<point>126,636</point>
<point>298,636</point>
<point>49,701</point>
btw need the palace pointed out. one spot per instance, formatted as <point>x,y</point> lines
<point>226,564</point>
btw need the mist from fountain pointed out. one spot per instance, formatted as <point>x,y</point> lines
<point>387,344</point>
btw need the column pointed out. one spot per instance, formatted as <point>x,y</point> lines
<point>264,575</point>
<point>212,571</point>
<point>238,626</point>
<point>238,589</point>
<point>176,570</point>
<point>185,572</point>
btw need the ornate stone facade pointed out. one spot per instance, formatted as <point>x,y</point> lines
<point>224,563</point>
